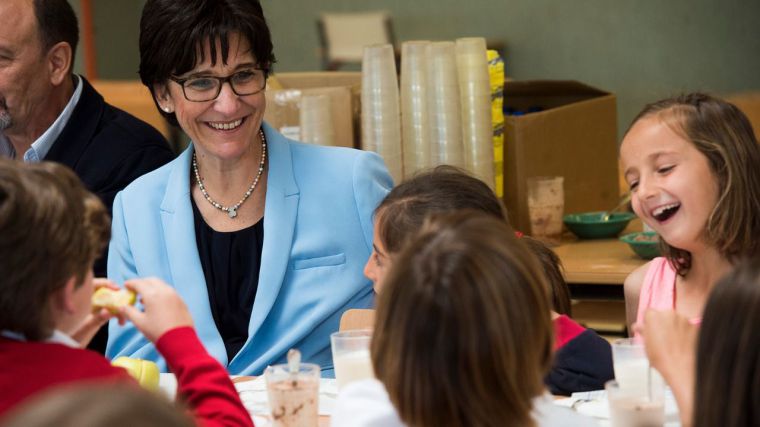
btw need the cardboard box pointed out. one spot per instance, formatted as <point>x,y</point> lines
<point>749,103</point>
<point>573,135</point>
<point>343,89</point>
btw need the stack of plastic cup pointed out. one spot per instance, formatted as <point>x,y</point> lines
<point>381,122</point>
<point>475,98</point>
<point>415,126</point>
<point>316,120</point>
<point>443,105</point>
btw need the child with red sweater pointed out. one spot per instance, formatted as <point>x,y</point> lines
<point>582,359</point>
<point>53,229</point>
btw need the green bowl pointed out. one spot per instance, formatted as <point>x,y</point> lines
<point>592,225</point>
<point>646,244</point>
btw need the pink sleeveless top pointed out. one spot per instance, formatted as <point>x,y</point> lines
<point>658,291</point>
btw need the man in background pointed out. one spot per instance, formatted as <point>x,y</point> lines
<point>49,113</point>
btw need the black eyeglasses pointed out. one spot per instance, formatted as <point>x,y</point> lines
<point>207,88</point>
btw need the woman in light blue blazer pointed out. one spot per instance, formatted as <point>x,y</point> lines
<point>264,238</point>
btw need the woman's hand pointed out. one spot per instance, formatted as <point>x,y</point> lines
<point>95,320</point>
<point>163,309</point>
<point>671,346</point>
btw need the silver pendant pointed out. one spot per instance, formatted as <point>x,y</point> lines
<point>232,212</point>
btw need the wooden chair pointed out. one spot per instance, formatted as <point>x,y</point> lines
<point>344,35</point>
<point>356,318</point>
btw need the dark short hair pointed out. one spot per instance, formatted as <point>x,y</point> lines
<point>463,333</point>
<point>724,135</point>
<point>57,22</point>
<point>728,352</point>
<point>173,33</point>
<point>440,190</point>
<point>551,265</point>
<point>52,229</point>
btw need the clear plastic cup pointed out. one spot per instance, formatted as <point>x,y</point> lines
<point>444,107</point>
<point>316,120</point>
<point>381,117</point>
<point>546,203</point>
<point>351,357</point>
<point>632,408</point>
<point>415,125</point>
<point>293,397</point>
<point>631,365</point>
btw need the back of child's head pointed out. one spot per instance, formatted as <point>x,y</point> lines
<point>98,405</point>
<point>52,229</point>
<point>552,269</point>
<point>728,353</point>
<point>442,189</point>
<point>463,334</point>
<point>724,135</point>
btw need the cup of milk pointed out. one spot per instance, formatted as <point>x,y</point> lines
<point>350,352</point>
<point>637,395</point>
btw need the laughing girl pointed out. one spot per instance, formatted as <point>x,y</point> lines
<point>693,167</point>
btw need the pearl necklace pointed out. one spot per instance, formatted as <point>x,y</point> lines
<point>232,210</point>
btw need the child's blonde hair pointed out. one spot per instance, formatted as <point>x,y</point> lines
<point>723,134</point>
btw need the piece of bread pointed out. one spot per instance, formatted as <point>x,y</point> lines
<point>111,299</point>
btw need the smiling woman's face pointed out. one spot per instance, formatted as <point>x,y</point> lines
<point>225,127</point>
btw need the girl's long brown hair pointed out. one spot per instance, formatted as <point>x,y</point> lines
<point>728,353</point>
<point>463,333</point>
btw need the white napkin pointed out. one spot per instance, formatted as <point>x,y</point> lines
<point>167,383</point>
<point>595,404</point>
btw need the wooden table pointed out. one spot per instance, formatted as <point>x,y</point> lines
<point>598,262</point>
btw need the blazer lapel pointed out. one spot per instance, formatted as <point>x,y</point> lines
<point>280,212</point>
<point>184,261</point>
<point>79,130</point>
